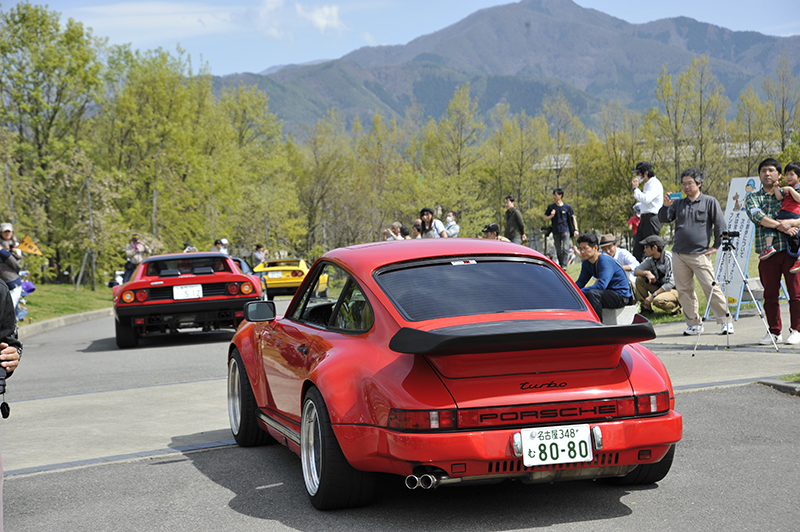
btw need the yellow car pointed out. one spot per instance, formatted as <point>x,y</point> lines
<point>283,276</point>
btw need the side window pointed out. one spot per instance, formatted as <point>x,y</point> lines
<point>317,303</point>
<point>353,312</point>
<point>335,300</point>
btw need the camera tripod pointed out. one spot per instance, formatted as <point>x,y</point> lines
<point>727,248</point>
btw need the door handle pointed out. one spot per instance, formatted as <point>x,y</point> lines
<point>303,349</point>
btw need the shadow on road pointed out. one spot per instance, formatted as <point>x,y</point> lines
<point>162,340</point>
<point>267,484</point>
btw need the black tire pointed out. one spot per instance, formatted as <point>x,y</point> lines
<point>331,482</point>
<point>270,296</point>
<point>242,406</point>
<point>646,473</point>
<point>126,335</point>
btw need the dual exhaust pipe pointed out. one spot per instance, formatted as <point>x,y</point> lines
<point>426,481</point>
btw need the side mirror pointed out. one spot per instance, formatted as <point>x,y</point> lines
<point>259,311</point>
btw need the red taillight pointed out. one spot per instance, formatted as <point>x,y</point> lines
<point>626,407</point>
<point>652,404</point>
<point>138,321</point>
<point>141,295</point>
<point>422,419</point>
<point>128,296</point>
<point>246,288</point>
<point>297,274</point>
<point>233,289</point>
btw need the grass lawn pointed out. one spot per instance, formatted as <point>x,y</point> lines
<point>54,300</point>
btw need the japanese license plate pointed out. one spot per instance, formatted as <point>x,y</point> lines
<point>556,445</point>
<point>274,275</point>
<point>187,291</point>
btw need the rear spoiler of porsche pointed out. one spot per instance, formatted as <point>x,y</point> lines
<point>520,335</point>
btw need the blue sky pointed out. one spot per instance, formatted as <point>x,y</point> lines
<point>253,35</point>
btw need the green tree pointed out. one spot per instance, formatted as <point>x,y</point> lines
<point>783,100</point>
<point>750,134</point>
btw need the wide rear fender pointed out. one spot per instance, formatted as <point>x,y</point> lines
<point>244,341</point>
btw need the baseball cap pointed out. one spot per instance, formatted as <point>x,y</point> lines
<point>607,239</point>
<point>6,227</point>
<point>653,240</point>
<point>135,236</point>
<point>491,228</point>
<point>642,167</point>
<point>224,241</point>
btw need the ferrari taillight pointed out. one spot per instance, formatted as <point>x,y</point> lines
<point>141,295</point>
<point>246,288</point>
<point>297,273</point>
<point>652,404</point>
<point>128,296</point>
<point>233,289</point>
<point>422,419</point>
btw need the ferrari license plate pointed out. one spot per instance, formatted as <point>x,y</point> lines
<point>274,275</point>
<point>187,291</point>
<point>556,445</point>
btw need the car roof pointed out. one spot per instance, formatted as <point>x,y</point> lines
<point>367,257</point>
<point>198,255</point>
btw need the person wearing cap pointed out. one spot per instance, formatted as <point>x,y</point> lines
<point>611,288</point>
<point>697,218</point>
<point>9,240</point>
<point>136,251</point>
<point>565,225</point>
<point>492,232</point>
<point>608,245</point>
<point>655,281</point>
<point>650,198</point>
<point>431,227</point>
<point>762,207</point>
<point>515,226</point>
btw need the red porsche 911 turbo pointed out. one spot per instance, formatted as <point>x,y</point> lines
<point>448,361</point>
<point>184,290</point>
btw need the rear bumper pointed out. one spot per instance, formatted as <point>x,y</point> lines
<point>491,453</point>
<point>218,313</point>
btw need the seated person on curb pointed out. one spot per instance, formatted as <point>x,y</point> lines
<point>655,283</point>
<point>611,288</point>
<point>608,245</point>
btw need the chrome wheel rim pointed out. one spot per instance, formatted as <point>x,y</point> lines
<point>310,451</point>
<point>234,396</point>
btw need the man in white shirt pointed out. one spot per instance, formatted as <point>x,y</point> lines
<point>652,199</point>
<point>608,245</point>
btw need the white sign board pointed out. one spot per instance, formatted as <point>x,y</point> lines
<point>738,222</point>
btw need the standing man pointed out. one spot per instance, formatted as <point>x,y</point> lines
<point>608,245</point>
<point>565,225</point>
<point>696,218</point>
<point>10,351</point>
<point>762,208</point>
<point>612,288</point>
<point>650,198</point>
<point>136,251</point>
<point>515,227</point>
<point>655,281</point>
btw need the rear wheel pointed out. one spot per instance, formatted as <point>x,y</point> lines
<point>331,482</point>
<point>126,335</point>
<point>647,473</point>
<point>242,406</point>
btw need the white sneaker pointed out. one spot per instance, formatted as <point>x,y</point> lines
<point>767,340</point>
<point>727,328</point>
<point>693,330</point>
<point>793,338</point>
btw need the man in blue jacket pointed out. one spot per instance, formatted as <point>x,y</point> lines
<point>611,288</point>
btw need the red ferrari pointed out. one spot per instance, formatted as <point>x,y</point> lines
<point>448,361</point>
<point>184,290</point>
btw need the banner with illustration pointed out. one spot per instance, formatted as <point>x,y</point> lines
<point>738,222</point>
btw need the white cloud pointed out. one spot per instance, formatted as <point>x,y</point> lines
<point>323,18</point>
<point>369,38</point>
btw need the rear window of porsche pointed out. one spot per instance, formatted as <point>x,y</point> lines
<point>443,289</point>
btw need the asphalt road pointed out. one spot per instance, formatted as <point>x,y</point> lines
<point>102,439</point>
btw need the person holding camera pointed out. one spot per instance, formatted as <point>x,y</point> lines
<point>10,351</point>
<point>696,216</point>
<point>136,251</point>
